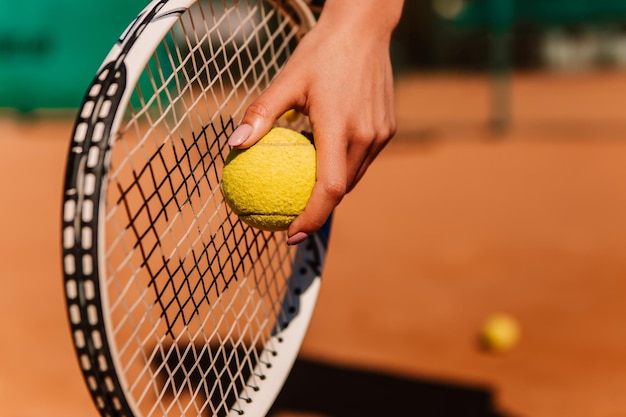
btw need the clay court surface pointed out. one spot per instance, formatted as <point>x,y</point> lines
<point>451,223</point>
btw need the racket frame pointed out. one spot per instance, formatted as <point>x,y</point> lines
<point>83,234</point>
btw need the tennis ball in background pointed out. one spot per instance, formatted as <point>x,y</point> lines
<point>500,333</point>
<point>269,184</point>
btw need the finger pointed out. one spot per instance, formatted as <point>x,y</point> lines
<point>262,113</point>
<point>318,210</point>
<point>362,161</point>
<point>327,193</point>
<point>363,157</point>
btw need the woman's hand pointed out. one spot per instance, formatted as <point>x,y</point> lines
<point>340,76</point>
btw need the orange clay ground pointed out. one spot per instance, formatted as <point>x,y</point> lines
<point>450,224</point>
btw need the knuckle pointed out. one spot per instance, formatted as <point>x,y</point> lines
<point>365,136</point>
<point>388,129</point>
<point>393,128</point>
<point>335,190</point>
<point>258,109</point>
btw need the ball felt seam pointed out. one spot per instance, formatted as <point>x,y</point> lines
<point>269,184</point>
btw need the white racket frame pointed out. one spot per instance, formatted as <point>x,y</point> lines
<point>81,282</point>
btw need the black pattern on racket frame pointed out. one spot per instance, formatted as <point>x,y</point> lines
<point>175,306</point>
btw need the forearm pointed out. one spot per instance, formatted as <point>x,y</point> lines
<point>363,16</point>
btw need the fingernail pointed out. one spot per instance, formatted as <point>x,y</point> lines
<point>297,238</point>
<point>240,135</point>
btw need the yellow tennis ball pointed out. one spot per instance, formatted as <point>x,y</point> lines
<point>269,184</point>
<point>291,115</point>
<point>500,333</point>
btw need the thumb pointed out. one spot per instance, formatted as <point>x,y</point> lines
<point>263,112</point>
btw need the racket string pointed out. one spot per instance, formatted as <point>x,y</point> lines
<point>195,296</point>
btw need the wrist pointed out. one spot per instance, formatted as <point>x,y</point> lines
<point>363,16</point>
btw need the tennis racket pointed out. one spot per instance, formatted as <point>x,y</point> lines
<point>176,307</point>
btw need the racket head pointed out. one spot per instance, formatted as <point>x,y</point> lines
<point>175,306</point>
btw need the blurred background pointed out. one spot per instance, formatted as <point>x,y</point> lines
<point>553,34</point>
<point>503,192</point>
